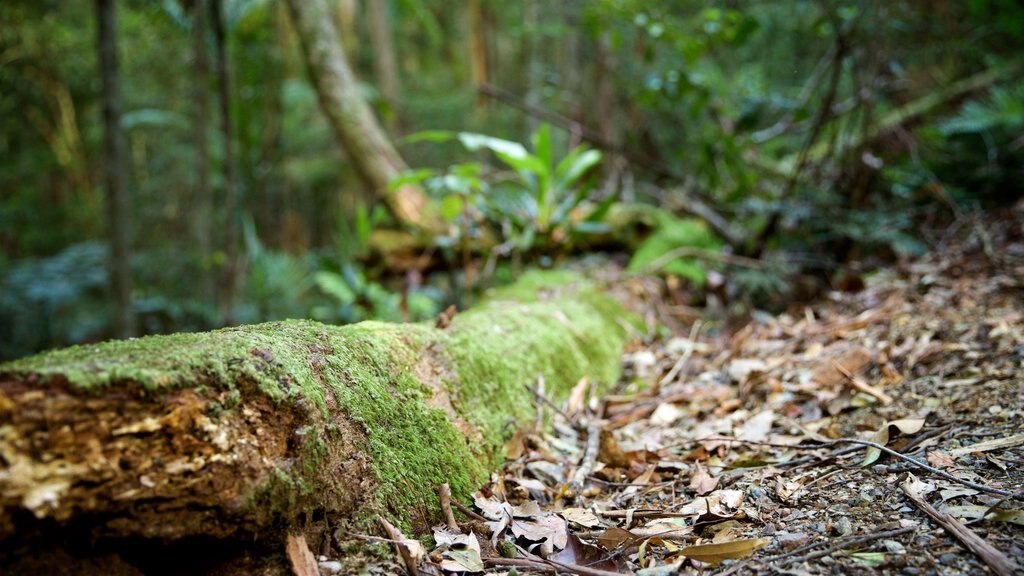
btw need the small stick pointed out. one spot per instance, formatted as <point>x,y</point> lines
<point>862,386</point>
<point>679,365</point>
<point>445,493</point>
<point>590,452</point>
<point>396,535</point>
<point>996,560</point>
<point>473,515</point>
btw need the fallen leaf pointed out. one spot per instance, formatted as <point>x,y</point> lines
<point>701,482</point>
<point>986,512</point>
<point>616,539</point>
<point>904,426</point>
<point>716,553</point>
<point>756,429</point>
<point>940,459</point>
<point>581,516</point>
<point>460,552</point>
<point>578,552</point>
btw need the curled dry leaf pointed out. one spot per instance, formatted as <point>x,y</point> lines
<point>904,426</point>
<point>701,482</point>
<point>459,552</point>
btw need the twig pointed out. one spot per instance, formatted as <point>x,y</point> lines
<point>996,560</point>
<point>400,547</point>
<point>586,467</point>
<point>862,386</point>
<point>465,510</point>
<point>685,358</point>
<point>444,491</point>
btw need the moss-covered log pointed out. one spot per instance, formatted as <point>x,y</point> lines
<point>241,431</point>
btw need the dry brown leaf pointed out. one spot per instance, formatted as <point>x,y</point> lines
<point>460,552</point>
<point>581,516</point>
<point>300,557</point>
<point>610,452</point>
<point>701,482</point>
<point>940,459</point>
<point>852,359</point>
<point>716,553</point>
<point>904,426</point>
<point>616,539</point>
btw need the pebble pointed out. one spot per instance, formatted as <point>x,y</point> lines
<point>843,526</point>
<point>330,567</point>
<point>894,547</point>
<point>790,539</point>
<point>948,558</point>
<point>911,571</point>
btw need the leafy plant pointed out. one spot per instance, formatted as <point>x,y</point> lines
<point>541,202</point>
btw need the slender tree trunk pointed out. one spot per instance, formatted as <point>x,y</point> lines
<point>203,228</point>
<point>385,63</point>
<point>477,33</point>
<point>534,62</point>
<point>232,270</point>
<point>351,119</point>
<point>118,205</point>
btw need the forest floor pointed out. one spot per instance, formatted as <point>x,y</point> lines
<point>811,442</point>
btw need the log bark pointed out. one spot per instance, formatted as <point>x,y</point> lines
<point>249,432</point>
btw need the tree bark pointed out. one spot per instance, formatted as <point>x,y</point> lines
<point>479,71</point>
<point>352,122</point>
<point>232,268</point>
<point>115,172</point>
<point>253,431</point>
<point>203,228</point>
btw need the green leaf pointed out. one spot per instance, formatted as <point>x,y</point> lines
<point>335,286</point>
<point>429,136</point>
<point>542,144</point>
<point>451,207</point>
<point>417,176</point>
<point>575,165</point>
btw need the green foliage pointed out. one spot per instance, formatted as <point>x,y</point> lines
<point>541,203</point>
<point>671,233</point>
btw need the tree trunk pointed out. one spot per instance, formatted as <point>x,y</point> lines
<point>202,215</point>
<point>232,269</point>
<point>352,121</point>
<point>479,72</point>
<point>115,173</point>
<point>384,62</point>
<point>254,431</point>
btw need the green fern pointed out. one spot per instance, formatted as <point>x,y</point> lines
<point>1002,107</point>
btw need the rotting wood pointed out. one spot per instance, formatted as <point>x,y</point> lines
<point>239,432</point>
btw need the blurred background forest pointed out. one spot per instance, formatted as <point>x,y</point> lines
<point>751,152</point>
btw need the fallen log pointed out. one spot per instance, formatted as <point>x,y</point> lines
<point>249,431</point>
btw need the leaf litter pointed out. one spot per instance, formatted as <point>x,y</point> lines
<point>870,432</point>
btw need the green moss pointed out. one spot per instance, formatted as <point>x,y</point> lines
<point>488,357</point>
<point>529,286</point>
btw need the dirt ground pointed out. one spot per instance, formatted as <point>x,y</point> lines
<point>811,442</point>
